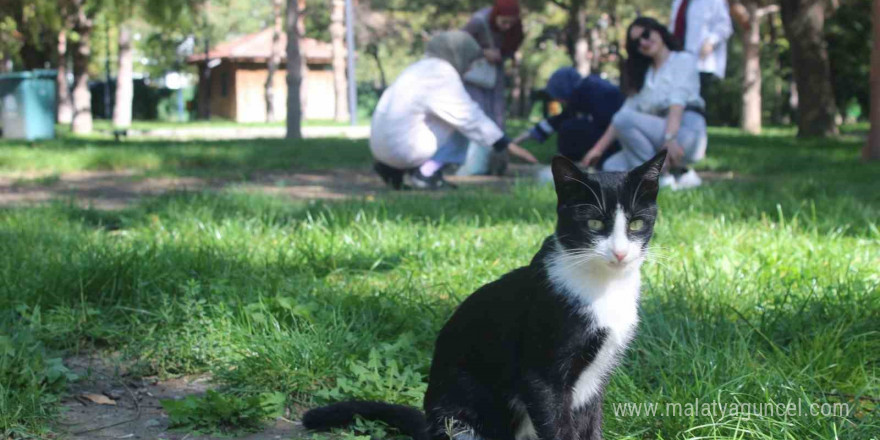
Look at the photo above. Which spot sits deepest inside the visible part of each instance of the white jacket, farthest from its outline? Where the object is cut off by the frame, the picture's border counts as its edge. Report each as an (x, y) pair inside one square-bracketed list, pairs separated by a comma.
[(424, 106), (706, 20)]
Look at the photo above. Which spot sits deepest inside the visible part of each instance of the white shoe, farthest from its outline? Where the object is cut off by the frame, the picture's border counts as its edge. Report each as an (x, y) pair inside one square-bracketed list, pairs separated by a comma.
[(668, 181), (689, 179)]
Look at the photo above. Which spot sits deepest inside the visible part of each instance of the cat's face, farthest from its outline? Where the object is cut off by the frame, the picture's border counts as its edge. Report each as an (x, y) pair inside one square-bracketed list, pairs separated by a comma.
[(606, 220)]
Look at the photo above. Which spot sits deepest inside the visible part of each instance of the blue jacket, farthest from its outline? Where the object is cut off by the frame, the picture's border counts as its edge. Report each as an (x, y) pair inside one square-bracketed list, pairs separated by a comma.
[(593, 98)]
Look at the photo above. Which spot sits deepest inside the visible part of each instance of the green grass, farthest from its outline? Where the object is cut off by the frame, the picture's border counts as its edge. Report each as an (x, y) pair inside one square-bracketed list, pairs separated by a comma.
[(214, 158), (764, 289), (107, 125)]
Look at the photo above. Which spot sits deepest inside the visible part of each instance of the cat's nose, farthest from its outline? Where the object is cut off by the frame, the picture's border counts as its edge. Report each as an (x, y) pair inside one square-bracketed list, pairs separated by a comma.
[(620, 255)]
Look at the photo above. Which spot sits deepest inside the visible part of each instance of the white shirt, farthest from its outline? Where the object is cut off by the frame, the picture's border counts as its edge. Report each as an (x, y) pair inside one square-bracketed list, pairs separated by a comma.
[(424, 106), (706, 20), (676, 82)]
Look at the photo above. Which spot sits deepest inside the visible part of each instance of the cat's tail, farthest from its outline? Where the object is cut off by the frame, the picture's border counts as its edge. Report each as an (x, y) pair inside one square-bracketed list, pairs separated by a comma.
[(408, 420)]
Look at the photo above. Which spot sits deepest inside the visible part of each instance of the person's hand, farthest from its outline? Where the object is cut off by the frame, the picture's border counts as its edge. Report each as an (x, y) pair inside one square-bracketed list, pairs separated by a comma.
[(521, 153), (674, 153), (492, 55), (592, 156), (706, 49), (521, 138)]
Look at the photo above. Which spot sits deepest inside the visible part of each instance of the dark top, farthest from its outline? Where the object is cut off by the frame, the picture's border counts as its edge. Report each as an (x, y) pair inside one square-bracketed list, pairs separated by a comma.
[(593, 98)]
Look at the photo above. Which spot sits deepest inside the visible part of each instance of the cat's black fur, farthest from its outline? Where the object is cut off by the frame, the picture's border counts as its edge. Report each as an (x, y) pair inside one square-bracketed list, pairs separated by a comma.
[(517, 346)]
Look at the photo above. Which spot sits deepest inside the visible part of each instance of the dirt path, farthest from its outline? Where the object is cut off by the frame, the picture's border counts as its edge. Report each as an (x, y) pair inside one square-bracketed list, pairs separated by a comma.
[(107, 403), (118, 189)]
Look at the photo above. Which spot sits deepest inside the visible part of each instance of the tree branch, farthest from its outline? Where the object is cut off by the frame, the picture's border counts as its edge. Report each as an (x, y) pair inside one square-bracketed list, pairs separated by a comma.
[(561, 5), (767, 10)]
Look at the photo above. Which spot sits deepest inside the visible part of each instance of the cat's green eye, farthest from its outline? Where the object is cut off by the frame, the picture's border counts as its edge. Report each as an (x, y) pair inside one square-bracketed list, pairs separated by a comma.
[(636, 225), (595, 225)]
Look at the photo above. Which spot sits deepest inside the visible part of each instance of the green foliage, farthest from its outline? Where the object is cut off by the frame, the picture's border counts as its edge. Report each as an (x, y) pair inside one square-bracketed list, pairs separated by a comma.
[(223, 413), (849, 46), (31, 378), (386, 376)]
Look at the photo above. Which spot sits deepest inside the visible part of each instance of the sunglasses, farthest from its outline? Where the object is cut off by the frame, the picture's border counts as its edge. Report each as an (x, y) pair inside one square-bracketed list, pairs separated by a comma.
[(645, 36)]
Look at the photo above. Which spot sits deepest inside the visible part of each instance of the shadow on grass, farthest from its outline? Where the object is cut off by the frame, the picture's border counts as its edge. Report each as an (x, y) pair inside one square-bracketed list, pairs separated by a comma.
[(185, 157), (843, 207)]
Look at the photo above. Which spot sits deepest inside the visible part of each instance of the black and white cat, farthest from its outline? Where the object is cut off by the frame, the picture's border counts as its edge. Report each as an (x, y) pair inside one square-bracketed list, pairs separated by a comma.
[(528, 356)]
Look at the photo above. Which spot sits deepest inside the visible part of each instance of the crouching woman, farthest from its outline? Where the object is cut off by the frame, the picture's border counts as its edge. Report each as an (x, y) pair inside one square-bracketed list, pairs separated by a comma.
[(664, 108), (425, 119)]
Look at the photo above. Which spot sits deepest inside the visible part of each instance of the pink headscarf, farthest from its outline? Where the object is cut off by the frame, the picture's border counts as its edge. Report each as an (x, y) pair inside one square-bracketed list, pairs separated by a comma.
[(513, 37)]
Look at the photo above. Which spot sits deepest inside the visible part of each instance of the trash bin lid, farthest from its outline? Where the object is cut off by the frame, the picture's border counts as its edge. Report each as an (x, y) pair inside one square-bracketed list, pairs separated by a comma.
[(30, 74)]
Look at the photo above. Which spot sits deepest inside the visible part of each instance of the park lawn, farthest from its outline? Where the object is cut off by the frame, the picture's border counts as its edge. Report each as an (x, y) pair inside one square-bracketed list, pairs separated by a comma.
[(106, 125), (762, 289)]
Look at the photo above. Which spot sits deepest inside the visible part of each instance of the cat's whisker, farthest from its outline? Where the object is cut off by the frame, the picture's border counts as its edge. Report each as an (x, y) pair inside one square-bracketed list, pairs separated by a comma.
[(600, 200), (659, 255)]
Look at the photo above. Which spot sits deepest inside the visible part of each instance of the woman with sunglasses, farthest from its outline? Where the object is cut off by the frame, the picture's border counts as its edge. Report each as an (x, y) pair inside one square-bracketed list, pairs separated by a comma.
[(663, 109)]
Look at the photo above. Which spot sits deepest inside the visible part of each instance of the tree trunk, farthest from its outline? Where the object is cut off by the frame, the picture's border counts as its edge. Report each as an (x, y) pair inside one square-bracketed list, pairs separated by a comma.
[(373, 50), (778, 111), (597, 43), (64, 105), (294, 72), (872, 148), (804, 22), (577, 41), (204, 95), (124, 80), (337, 41), (516, 97), (274, 61), (751, 99), (82, 51)]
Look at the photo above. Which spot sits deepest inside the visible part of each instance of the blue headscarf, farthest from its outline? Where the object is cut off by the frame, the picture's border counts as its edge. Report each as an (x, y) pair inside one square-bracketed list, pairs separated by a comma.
[(562, 83)]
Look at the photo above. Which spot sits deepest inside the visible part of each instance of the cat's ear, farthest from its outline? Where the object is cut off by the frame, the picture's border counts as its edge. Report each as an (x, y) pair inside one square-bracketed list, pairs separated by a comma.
[(646, 177), (568, 179)]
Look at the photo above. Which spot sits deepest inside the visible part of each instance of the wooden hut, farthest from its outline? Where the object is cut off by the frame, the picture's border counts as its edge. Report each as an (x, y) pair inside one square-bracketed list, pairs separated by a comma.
[(238, 72)]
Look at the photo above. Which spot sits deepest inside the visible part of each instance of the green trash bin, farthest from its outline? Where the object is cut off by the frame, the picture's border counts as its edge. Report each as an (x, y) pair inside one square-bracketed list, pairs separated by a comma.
[(27, 104)]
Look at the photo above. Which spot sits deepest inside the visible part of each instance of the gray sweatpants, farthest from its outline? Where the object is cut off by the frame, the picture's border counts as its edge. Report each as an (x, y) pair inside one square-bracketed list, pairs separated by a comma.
[(641, 137)]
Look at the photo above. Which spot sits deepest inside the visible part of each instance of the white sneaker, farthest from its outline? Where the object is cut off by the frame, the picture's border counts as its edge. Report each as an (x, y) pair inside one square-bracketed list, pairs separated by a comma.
[(689, 179), (668, 181)]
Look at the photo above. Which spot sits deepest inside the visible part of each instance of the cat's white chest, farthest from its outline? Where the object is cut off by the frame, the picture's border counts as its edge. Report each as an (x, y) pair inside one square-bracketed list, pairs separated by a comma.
[(611, 302), (612, 306), (617, 315)]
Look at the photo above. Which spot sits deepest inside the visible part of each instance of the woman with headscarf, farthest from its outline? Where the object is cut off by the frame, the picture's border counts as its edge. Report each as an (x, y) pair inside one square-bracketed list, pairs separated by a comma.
[(415, 127), (664, 108), (499, 32)]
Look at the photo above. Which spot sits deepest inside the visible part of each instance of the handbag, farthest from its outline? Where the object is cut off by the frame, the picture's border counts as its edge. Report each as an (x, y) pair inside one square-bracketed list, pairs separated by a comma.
[(483, 73)]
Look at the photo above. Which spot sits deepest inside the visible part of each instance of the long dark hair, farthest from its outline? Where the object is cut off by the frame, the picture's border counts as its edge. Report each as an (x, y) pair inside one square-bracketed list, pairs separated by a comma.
[(636, 63)]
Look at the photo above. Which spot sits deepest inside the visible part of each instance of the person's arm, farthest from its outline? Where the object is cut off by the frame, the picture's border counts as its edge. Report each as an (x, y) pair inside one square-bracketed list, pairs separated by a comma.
[(599, 147), (673, 122), (685, 80), (448, 100), (476, 26), (719, 26), (685, 87), (675, 152), (521, 153), (544, 129)]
